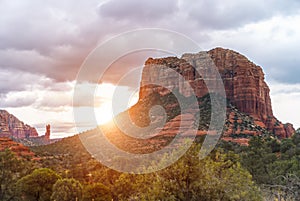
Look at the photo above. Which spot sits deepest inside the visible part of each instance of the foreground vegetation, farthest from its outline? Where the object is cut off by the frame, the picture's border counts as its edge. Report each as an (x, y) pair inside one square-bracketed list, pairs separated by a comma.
[(267, 169)]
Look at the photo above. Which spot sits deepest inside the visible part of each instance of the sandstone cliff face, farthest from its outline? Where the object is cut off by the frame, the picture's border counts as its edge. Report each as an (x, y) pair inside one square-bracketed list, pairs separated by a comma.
[(243, 81), (10, 126)]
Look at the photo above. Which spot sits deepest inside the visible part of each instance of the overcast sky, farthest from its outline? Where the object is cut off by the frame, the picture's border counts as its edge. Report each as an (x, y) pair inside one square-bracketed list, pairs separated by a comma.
[(43, 44)]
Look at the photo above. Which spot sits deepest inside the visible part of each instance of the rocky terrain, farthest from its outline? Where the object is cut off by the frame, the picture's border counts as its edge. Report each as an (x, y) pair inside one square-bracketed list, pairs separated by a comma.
[(249, 108), (10, 126), (244, 83), (17, 148)]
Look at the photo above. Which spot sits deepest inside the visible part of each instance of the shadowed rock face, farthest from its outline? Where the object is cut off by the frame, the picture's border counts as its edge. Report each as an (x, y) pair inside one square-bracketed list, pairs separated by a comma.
[(244, 83), (10, 126)]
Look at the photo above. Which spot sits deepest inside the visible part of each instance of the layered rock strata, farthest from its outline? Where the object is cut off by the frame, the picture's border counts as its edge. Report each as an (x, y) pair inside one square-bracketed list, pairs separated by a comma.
[(243, 81)]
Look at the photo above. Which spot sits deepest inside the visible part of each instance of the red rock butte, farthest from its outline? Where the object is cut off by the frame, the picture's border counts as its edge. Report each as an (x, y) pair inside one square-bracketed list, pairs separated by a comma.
[(244, 83), (10, 126)]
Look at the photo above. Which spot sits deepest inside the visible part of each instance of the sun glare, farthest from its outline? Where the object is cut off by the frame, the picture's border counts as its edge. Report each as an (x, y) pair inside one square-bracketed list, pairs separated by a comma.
[(103, 101), (103, 113)]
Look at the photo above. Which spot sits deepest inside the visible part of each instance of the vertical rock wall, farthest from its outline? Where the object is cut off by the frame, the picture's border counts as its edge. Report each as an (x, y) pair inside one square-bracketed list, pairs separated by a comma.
[(244, 83)]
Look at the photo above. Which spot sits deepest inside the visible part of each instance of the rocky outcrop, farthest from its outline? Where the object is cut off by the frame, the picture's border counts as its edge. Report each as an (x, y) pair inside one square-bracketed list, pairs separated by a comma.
[(10, 126), (289, 129), (17, 148), (48, 132), (243, 81), (247, 90)]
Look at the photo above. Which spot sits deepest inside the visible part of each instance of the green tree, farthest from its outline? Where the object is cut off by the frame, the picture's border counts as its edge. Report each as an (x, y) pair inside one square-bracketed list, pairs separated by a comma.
[(257, 158), (96, 192), (286, 145), (218, 177), (274, 165), (66, 190), (38, 185), (11, 169), (134, 187)]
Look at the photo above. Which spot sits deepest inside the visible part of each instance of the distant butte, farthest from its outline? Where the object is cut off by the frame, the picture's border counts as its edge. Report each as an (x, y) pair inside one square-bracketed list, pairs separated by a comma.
[(10, 126)]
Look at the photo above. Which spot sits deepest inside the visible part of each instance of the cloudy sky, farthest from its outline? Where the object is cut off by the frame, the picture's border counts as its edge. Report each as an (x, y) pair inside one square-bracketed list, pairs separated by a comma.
[(44, 43)]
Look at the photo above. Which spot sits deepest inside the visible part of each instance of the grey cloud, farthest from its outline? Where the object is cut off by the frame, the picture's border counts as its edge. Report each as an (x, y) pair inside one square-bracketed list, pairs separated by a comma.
[(136, 10), (288, 73), (217, 14), (279, 63), (16, 80), (21, 89), (59, 86), (34, 62), (42, 25), (276, 63), (287, 91), (51, 38), (16, 100), (272, 44), (26, 60), (8, 83), (43, 43), (52, 100), (58, 35)]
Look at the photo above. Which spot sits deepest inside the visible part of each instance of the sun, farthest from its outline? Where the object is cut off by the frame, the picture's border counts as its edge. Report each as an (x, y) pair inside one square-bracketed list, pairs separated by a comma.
[(103, 113), (104, 98)]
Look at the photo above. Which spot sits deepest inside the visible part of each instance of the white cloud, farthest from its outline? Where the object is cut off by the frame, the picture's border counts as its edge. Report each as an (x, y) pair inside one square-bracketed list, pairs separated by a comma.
[(285, 102), (17, 99), (271, 43)]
